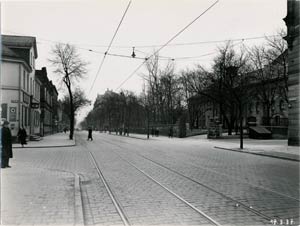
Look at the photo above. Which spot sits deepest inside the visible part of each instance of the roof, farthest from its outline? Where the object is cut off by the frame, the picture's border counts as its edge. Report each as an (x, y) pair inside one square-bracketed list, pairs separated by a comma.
[(42, 75), (9, 52), (20, 41)]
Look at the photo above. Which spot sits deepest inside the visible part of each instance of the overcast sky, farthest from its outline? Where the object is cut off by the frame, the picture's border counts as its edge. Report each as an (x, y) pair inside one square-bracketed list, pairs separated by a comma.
[(90, 24)]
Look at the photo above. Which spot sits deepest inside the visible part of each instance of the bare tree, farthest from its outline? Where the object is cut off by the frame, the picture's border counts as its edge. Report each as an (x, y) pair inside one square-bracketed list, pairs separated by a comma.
[(79, 101), (269, 63), (231, 69), (71, 68)]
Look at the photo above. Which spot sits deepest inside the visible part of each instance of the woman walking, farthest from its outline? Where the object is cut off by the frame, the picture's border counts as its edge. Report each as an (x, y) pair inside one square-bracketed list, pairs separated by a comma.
[(22, 136)]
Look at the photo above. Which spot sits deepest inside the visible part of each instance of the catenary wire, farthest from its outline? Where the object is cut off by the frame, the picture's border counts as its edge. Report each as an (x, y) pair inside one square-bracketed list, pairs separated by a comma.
[(161, 57), (105, 54), (176, 35), (184, 43)]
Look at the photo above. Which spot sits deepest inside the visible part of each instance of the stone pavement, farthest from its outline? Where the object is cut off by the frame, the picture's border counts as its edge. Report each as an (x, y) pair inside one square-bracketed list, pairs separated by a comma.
[(54, 140), (32, 195), (270, 148)]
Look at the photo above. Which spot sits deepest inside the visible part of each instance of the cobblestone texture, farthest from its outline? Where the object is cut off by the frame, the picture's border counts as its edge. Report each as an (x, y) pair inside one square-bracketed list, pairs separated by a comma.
[(144, 202), (249, 180), (264, 183), (44, 197)]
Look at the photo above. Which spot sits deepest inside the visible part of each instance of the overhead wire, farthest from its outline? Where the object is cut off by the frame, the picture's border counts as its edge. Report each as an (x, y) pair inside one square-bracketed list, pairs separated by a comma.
[(183, 44), (106, 52), (176, 35), (161, 57)]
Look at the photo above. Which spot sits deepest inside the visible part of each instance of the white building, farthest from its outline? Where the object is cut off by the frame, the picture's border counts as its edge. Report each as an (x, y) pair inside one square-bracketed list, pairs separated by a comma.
[(20, 91)]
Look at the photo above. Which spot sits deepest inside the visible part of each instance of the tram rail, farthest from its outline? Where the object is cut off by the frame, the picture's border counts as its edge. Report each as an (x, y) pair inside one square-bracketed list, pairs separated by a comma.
[(238, 203)]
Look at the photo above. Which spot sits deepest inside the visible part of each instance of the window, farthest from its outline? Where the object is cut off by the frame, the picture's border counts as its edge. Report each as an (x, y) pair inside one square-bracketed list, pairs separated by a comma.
[(281, 105), (36, 118), (250, 106), (4, 111), (33, 88), (27, 85), (257, 107), (26, 116), (30, 88), (31, 58), (24, 79)]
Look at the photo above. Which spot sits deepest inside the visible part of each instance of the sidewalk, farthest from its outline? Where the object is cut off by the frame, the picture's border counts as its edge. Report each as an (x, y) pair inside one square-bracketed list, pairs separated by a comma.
[(31, 195), (35, 196), (270, 148), (54, 140)]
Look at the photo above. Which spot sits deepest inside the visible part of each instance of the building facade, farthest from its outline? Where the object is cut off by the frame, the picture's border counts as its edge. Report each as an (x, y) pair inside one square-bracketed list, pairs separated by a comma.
[(19, 89), (292, 21), (48, 104), (271, 112)]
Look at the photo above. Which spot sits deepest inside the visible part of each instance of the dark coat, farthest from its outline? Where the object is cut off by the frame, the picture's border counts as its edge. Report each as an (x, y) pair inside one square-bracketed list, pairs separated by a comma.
[(22, 136), (90, 133), (6, 143)]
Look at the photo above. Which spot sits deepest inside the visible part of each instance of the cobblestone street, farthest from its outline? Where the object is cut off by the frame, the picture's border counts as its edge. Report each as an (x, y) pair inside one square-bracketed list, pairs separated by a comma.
[(117, 180)]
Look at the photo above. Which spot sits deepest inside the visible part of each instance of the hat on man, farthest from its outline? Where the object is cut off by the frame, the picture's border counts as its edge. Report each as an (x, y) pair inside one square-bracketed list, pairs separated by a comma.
[(4, 122)]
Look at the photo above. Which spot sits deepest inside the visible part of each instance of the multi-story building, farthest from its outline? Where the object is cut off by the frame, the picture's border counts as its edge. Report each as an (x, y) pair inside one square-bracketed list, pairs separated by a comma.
[(49, 104), (20, 92), (292, 21)]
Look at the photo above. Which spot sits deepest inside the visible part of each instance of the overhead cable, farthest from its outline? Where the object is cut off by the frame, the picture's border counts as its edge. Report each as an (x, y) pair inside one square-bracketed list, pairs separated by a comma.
[(176, 35), (101, 64)]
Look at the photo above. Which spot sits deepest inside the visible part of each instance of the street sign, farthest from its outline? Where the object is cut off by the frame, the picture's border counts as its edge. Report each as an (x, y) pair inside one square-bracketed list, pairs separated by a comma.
[(12, 114)]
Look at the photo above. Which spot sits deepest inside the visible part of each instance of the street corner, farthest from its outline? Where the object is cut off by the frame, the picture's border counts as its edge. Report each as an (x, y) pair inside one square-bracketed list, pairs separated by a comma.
[(35, 196), (49, 141)]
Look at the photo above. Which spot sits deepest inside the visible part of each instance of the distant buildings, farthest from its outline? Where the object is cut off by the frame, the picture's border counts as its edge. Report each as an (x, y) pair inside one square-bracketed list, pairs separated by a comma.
[(292, 21), (22, 91), (273, 114)]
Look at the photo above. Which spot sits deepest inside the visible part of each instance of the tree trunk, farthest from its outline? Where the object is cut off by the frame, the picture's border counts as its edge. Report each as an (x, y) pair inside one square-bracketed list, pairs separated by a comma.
[(71, 114), (241, 127)]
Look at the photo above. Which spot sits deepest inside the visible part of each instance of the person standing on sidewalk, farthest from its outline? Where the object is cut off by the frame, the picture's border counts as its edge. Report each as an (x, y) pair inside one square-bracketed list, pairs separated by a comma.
[(22, 136), (6, 140), (90, 136)]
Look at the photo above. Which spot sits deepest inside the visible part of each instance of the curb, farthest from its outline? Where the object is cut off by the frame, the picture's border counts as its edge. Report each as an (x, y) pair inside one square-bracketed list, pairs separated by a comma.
[(52, 146), (78, 211), (130, 137), (261, 154)]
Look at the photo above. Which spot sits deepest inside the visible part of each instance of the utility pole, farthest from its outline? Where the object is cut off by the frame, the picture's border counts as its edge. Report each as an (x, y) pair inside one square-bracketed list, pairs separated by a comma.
[(147, 109)]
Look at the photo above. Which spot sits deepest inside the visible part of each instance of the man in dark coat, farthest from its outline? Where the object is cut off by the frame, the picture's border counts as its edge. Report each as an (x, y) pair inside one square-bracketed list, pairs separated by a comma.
[(22, 136), (6, 153), (90, 136)]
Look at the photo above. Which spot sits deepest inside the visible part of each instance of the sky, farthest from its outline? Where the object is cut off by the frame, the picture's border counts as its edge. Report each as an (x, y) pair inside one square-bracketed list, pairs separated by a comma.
[(147, 25)]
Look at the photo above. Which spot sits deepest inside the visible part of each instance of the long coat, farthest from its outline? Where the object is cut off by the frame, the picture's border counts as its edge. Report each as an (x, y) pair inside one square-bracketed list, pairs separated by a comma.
[(6, 143), (22, 136), (90, 133)]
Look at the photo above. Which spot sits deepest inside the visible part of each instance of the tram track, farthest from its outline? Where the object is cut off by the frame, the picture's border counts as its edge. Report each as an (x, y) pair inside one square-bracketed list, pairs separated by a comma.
[(238, 203), (234, 178), (109, 191), (121, 212)]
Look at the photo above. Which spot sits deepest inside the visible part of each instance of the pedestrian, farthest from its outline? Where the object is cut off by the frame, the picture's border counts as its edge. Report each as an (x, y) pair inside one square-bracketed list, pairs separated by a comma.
[(22, 136), (6, 139), (171, 132), (90, 136)]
